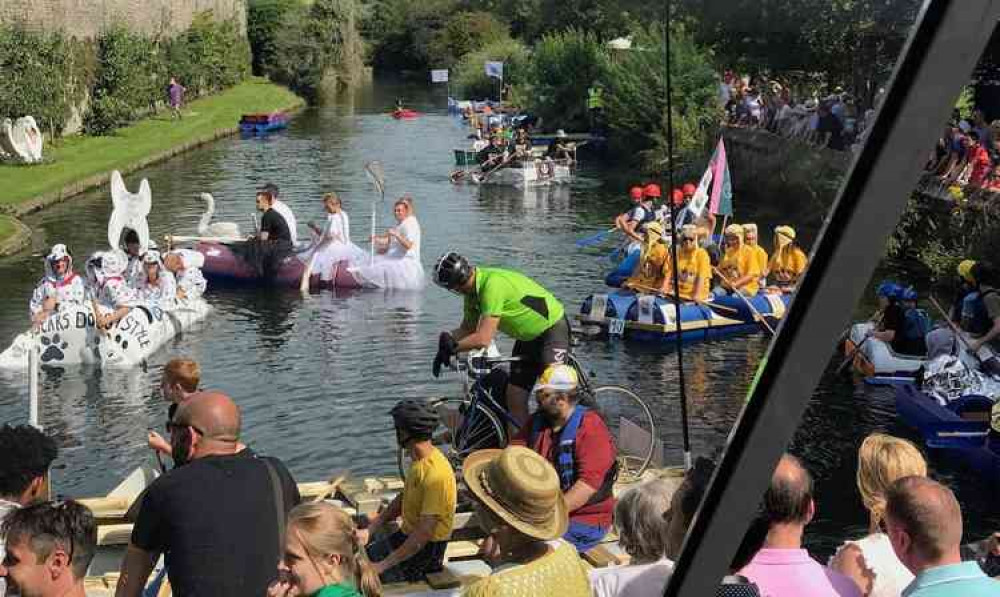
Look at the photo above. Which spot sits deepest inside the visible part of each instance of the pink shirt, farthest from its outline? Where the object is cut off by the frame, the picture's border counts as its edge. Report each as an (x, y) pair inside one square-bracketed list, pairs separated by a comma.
[(793, 573)]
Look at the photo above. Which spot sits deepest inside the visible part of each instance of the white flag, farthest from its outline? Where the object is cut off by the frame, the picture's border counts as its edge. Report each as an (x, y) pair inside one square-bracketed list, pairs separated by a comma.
[(439, 75), (494, 69), (700, 198)]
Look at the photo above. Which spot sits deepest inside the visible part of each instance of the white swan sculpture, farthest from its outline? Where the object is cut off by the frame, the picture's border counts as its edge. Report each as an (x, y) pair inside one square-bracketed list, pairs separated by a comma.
[(129, 211), (218, 229), (21, 139)]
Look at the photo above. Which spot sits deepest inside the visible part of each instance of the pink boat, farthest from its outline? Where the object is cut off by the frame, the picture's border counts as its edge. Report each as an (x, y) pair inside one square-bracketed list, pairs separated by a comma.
[(225, 266)]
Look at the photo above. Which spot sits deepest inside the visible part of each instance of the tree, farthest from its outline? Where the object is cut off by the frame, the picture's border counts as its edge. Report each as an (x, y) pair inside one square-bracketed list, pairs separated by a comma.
[(470, 72), (264, 21), (563, 66), (463, 33)]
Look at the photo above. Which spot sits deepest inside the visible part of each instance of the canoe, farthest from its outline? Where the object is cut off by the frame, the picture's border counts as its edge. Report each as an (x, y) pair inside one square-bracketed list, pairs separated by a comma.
[(405, 114), (225, 266), (876, 360), (652, 319), (70, 336), (462, 567)]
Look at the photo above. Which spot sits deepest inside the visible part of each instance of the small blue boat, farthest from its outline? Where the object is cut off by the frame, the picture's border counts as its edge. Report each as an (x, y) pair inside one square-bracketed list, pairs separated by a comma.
[(652, 319), (960, 429), (263, 123)]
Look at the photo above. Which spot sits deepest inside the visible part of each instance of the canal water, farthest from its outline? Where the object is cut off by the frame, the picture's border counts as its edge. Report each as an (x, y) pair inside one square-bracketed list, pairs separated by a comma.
[(316, 375)]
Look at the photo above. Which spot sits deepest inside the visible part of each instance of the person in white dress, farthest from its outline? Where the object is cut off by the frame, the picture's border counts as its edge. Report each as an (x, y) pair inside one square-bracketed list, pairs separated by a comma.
[(871, 561), (334, 239), (157, 285), (59, 286), (185, 265), (397, 264)]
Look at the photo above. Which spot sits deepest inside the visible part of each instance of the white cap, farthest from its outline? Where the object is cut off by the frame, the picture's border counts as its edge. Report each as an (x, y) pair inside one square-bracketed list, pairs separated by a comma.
[(58, 251)]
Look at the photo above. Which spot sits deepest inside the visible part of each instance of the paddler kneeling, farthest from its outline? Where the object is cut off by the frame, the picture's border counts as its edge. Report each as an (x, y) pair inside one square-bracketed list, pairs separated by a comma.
[(788, 262), (738, 267), (647, 276), (694, 272)]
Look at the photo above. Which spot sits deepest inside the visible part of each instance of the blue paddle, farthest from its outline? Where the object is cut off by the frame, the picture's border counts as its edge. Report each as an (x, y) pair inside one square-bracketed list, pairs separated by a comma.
[(595, 239)]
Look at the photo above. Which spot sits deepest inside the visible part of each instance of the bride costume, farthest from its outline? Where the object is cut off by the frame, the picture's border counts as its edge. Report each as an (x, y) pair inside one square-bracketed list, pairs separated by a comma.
[(397, 268), (338, 246)]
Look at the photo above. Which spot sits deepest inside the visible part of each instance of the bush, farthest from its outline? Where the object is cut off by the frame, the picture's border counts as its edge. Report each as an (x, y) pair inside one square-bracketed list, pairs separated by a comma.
[(315, 43), (463, 33), (635, 102), (563, 66), (44, 75), (402, 31), (470, 73)]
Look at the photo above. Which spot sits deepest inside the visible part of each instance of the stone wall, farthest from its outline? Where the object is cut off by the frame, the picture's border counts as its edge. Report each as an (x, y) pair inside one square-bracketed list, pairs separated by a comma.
[(85, 19)]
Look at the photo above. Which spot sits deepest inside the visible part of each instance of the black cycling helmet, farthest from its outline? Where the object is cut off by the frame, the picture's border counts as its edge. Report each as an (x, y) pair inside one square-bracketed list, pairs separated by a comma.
[(452, 271), (416, 417)]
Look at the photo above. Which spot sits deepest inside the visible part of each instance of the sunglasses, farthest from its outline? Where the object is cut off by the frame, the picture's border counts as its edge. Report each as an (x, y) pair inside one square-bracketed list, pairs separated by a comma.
[(175, 425)]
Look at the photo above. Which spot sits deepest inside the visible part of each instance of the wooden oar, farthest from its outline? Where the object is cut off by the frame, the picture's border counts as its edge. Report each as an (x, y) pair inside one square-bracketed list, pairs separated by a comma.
[(961, 334), (745, 300), (843, 337), (676, 298)]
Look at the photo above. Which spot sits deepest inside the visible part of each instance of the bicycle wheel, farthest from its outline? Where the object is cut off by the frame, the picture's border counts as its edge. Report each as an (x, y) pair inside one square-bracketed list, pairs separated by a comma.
[(631, 424), (460, 432)]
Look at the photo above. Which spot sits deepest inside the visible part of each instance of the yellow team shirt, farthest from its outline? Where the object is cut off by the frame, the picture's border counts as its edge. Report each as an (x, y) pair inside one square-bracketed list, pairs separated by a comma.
[(761, 256), (430, 490), (693, 264), (647, 273), (560, 572), (736, 264), (788, 265)]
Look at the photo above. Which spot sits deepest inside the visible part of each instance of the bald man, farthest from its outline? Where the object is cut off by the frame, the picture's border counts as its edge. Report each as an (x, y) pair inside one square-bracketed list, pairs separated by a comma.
[(924, 524), (781, 568), (215, 516)]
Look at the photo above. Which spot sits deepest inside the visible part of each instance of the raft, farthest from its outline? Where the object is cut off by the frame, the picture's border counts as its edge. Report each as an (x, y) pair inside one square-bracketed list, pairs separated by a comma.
[(527, 174), (652, 319), (876, 360), (463, 564), (263, 123), (225, 266), (70, 336)]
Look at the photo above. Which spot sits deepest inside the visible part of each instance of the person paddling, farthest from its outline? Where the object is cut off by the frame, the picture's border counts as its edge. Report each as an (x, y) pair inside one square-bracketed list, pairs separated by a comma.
[(694, 272)]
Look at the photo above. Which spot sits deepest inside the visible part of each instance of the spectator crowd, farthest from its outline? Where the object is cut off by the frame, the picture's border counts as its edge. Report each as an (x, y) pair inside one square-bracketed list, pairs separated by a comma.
[(229, 521)]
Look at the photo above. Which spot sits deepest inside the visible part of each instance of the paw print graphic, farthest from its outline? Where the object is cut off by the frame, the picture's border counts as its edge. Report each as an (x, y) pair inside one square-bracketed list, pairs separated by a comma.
[(53, 349)]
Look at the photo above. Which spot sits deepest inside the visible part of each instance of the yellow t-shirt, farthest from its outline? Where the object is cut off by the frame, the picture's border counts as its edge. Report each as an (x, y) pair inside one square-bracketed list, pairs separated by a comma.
[(788, 265), (736, 264), (430, 490), (647, 273), (560, 572), (761, 256), (694, 264)]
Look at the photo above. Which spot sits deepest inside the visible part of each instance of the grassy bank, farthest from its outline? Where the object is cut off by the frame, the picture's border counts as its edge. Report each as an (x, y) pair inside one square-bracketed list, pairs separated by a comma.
[(7, 226), (74, 164)]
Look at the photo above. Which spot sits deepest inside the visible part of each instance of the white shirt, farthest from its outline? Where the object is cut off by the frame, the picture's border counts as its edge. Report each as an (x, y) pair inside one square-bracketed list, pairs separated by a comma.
[(631, 581), (163, 292), (69, 290), (409, 229)]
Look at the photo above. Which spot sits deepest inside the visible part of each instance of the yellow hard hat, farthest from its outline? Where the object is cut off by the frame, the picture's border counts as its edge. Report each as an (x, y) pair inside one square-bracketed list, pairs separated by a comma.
[(965, 270)]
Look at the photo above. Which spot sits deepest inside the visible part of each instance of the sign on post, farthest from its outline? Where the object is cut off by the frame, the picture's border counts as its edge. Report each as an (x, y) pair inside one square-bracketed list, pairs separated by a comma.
[(439, 75)]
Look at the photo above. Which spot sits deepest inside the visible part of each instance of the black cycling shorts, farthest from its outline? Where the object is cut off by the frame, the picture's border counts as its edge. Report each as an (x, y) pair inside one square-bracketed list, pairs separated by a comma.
[(549, 347)]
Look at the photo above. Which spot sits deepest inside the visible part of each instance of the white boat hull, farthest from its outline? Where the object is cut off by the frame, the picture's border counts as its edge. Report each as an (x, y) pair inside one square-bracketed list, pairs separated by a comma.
[(70, 337), (530, 174)]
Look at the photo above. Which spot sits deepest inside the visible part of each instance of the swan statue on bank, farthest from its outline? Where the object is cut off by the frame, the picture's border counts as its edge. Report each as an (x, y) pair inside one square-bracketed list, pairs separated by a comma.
[(219, 229), (21, 139)]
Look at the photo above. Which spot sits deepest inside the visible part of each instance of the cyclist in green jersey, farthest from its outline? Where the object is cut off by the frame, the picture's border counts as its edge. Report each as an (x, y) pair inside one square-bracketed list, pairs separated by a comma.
[(505, 300)]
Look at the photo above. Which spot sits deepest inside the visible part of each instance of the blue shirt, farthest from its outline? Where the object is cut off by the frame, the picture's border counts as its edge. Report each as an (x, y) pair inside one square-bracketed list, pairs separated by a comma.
[(965, 580)]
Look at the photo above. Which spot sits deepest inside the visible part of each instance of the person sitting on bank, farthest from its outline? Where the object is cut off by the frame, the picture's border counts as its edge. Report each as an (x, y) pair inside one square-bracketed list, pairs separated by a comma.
[(185, 265), (788, 262), (60, 286), (782, 568), (426, 504), (157, 285), (738, 266), (49, 548), (323, 557), (25, 457), (924, 523), (578, 443), (695, 272), (519, 504), (216, 514), (648, 275)]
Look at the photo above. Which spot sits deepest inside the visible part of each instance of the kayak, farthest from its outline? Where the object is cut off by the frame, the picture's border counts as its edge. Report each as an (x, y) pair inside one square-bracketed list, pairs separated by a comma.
[(652, 319), (405, 113)]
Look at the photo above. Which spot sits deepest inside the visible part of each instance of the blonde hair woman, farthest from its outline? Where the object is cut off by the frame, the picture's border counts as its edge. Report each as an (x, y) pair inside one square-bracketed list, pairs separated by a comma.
[(870, 561), (397, 265), (323, 557)]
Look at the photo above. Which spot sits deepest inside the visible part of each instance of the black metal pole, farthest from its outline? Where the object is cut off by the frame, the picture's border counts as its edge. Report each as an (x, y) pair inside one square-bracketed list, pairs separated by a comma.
[(678, 329)]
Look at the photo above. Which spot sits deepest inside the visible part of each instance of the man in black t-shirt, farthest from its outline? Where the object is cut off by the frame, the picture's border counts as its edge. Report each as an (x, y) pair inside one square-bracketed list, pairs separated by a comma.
[(273, 242), (273, 227), (215, 516)]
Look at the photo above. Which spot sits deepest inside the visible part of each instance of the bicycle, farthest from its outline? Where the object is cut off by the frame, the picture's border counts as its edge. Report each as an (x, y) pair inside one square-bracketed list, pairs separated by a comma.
[(479, 419)]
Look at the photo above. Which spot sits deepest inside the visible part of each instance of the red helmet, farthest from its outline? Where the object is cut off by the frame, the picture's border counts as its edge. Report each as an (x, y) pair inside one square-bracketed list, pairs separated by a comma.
[(652, 190), (678, 197), (635, 192), (689, 189)]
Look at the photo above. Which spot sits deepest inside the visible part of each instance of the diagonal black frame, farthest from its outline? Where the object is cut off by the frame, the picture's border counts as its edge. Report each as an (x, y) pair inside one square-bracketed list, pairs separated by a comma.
[(943, 48)]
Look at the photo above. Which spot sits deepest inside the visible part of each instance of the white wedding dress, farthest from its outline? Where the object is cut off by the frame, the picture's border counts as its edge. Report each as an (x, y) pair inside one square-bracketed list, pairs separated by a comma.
[(398, 268), (339, 247)]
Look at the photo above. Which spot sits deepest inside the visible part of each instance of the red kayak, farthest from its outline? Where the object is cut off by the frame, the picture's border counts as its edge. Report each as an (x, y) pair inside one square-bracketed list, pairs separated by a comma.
[(405, 113), (225, 266)]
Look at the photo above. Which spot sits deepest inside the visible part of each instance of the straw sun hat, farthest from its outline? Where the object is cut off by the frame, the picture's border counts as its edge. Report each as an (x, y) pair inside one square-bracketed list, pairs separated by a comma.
[(521, 488)]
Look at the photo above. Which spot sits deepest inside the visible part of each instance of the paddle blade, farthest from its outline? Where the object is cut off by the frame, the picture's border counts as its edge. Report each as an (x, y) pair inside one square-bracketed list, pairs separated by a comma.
[(376, 174)]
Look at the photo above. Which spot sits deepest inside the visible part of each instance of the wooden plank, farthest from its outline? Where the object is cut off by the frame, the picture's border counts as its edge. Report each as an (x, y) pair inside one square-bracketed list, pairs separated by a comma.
[(443, 580), (601, 557), (461, 549), (114, 534)]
